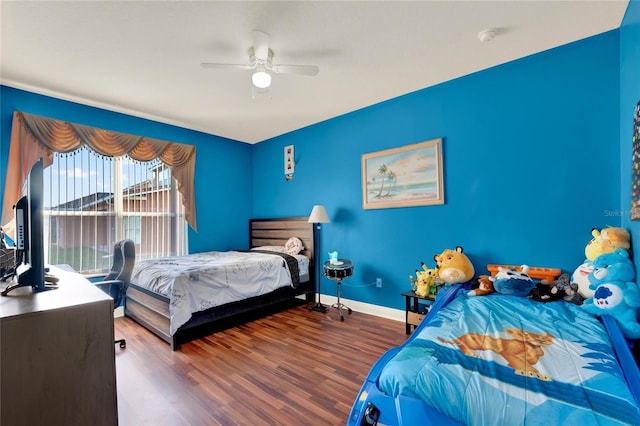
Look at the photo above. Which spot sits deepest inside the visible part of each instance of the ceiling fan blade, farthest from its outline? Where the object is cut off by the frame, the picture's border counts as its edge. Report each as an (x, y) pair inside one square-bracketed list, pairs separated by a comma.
[(226, 66), (261, 45), (296, 69)]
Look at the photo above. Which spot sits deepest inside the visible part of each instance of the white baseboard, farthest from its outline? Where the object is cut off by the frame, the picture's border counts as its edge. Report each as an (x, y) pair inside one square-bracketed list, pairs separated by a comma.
[(365, 308)]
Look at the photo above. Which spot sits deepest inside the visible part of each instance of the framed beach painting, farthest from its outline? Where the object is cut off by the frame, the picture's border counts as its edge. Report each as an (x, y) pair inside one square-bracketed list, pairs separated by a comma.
[(407, 176)]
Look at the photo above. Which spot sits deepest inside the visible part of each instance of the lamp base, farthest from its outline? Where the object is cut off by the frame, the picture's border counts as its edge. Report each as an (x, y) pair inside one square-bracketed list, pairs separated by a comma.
[(319, 307)]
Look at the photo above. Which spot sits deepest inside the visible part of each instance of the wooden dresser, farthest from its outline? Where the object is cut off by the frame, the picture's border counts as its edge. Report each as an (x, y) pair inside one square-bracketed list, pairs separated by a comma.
[(57, 356)]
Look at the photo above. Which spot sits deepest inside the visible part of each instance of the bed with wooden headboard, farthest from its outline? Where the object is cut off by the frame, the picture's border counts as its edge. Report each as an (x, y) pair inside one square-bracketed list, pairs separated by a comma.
[(155, 308)]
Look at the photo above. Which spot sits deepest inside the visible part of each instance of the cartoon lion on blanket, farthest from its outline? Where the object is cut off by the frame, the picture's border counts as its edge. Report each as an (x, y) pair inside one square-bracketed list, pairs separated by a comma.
[(521, 353)]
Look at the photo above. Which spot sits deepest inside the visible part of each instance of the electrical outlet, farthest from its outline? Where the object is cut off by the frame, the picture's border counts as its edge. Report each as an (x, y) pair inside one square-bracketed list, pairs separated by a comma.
[(379, 282)]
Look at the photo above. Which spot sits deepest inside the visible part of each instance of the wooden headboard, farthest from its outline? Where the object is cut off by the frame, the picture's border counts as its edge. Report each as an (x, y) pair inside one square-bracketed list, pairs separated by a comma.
[(276, 232)]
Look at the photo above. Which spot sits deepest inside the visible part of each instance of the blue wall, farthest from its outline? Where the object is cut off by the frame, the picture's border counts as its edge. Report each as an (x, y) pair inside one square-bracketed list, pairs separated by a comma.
[(223, 180), (531, 164), (629, 97)]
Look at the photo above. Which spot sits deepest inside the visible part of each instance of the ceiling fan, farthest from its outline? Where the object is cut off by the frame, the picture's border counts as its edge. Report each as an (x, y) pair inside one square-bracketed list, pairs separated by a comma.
[(261, 60)]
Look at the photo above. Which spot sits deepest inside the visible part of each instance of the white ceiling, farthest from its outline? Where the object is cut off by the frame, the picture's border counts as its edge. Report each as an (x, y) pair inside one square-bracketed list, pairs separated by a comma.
[(143, 58)]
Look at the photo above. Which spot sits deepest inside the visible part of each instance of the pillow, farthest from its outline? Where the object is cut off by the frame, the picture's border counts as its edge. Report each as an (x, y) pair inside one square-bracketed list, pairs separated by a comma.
[(277, 249), (293, 246)]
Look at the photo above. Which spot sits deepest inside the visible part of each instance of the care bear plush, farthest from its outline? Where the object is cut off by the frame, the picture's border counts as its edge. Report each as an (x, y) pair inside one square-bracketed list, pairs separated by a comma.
[(454, 267), (605, 241), (615, 293)]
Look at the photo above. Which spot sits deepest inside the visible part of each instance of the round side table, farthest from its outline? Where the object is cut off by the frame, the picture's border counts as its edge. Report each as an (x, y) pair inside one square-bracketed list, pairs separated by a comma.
[(338, 271)]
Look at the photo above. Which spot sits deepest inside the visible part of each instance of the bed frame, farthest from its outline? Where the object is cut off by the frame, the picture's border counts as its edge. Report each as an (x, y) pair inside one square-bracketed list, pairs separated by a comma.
[(152, 310), (402, 410)]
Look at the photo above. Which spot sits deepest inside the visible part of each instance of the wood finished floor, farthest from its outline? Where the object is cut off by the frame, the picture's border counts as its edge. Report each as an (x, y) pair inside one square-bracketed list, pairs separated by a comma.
[(295, 367)]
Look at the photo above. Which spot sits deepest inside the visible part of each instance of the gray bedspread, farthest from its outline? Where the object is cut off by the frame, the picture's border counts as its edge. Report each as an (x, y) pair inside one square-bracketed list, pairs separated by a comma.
[(201, 281)]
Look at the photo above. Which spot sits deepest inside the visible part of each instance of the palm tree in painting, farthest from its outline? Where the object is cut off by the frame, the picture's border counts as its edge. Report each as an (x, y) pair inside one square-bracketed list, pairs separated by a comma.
[(382, 170), (392, 177)]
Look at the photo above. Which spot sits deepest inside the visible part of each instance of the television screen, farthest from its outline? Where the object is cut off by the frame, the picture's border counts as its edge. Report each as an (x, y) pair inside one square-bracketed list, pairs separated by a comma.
[(29, 217)]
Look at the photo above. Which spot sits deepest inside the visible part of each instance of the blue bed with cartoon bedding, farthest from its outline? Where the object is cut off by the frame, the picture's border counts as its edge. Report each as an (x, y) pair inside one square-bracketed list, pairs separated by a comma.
[(504, 360)]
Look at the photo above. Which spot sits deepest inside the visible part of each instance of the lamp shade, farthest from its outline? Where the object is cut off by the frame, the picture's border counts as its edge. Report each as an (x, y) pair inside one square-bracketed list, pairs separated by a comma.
[(319, 215)]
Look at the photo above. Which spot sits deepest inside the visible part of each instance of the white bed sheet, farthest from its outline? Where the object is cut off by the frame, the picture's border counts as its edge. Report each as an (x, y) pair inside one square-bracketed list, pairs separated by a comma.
[(204, 280)]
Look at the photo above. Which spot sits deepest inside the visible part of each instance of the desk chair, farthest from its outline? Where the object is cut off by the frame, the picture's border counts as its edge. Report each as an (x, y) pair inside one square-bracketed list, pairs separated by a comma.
[(116, 282)]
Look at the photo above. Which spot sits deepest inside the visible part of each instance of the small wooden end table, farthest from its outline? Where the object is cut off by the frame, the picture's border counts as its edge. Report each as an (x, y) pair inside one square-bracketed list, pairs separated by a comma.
[(413, 316)]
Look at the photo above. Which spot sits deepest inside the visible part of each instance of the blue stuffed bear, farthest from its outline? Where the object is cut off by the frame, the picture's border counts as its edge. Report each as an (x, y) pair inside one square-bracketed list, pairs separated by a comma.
[(615, 292)]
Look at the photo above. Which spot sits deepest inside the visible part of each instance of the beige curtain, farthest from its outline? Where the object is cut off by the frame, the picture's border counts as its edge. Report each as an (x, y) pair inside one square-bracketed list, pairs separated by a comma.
[(33, 137)]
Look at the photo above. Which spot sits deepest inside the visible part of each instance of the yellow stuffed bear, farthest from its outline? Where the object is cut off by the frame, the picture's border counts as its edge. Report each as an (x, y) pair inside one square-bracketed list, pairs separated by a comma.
[(607, 241), (454, 267)]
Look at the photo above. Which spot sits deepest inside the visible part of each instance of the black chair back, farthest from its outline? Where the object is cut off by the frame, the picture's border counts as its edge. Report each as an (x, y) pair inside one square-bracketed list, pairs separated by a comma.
[(117, 280), (118, 262), (124, 258), (129, 255)]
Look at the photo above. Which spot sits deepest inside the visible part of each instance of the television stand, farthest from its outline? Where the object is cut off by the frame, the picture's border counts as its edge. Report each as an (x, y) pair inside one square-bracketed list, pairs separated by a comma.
[(9, 273), (25, 278), (35, 289)]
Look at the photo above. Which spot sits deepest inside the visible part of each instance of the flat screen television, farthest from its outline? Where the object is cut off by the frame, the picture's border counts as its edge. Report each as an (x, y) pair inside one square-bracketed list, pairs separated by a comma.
[(29, 238)]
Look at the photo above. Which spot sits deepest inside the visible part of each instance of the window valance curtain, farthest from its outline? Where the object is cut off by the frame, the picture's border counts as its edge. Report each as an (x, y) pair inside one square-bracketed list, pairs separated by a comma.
[(34, 136)]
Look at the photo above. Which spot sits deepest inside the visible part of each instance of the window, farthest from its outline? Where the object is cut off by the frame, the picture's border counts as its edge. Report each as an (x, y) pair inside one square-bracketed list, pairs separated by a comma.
[(131, 227), (93, 201)]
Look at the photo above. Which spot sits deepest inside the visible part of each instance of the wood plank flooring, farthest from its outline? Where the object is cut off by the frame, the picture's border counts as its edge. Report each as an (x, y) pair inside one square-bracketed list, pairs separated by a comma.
[(295, 367)]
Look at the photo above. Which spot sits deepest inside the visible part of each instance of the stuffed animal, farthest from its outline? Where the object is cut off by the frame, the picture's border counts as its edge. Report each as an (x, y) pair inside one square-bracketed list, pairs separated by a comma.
[(512, 282), (616, 266), (561, 288), (545, 292), (581, 278), (593, 248), (422, 287), (564, 286), (615, 293), (425, 282), (454, 267), (606, 241), (484, 286)]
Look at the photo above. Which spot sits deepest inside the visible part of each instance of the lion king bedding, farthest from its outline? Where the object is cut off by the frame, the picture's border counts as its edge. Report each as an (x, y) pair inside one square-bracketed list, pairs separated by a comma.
[(501, 359), (204, 280)]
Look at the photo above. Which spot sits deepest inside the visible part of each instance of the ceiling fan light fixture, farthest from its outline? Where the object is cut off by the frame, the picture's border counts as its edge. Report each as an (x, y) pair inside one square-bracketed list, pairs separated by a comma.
[(262, 66), (261, 79)]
